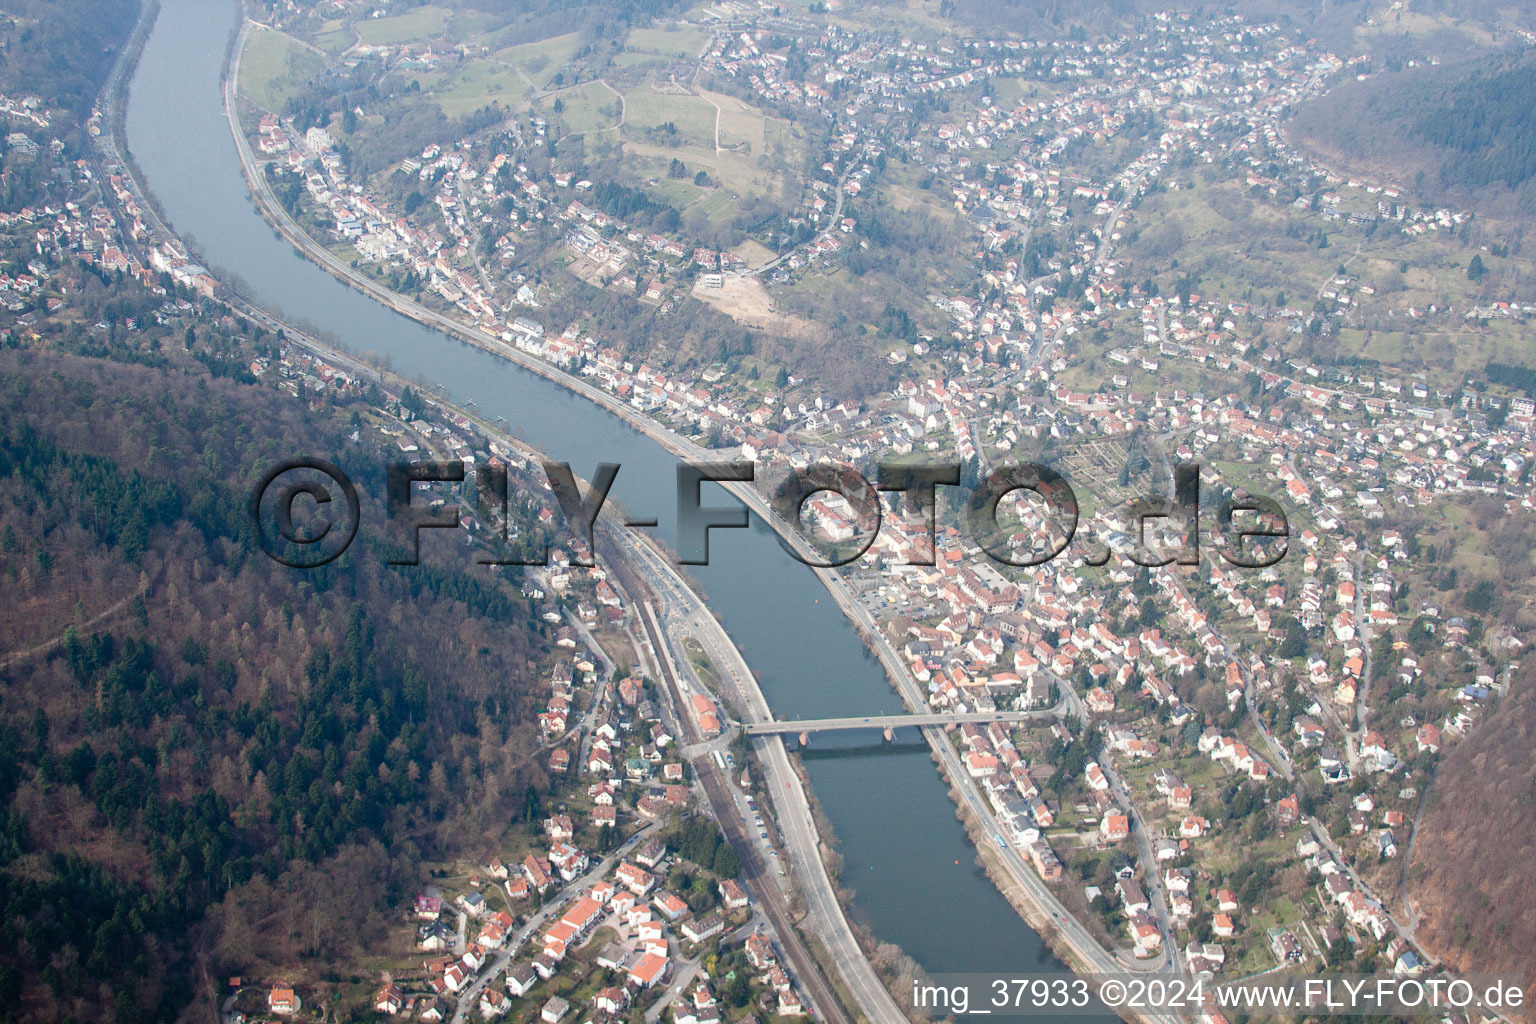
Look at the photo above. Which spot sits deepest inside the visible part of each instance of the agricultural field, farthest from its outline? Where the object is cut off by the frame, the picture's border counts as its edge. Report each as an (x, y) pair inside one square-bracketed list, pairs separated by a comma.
[(510, 76), (1233, 242), (755, 253), (1010, 92), (1446, 357), (900, 186), (746, 131), (917, 18), (679, 192), (672, 41), (1252, 248), (274, 67)]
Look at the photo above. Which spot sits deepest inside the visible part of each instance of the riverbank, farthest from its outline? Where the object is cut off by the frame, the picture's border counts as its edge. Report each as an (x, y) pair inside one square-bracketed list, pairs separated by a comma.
[(1036, 917), (667, 440), (805, 964), (895, 969), (274, 213)]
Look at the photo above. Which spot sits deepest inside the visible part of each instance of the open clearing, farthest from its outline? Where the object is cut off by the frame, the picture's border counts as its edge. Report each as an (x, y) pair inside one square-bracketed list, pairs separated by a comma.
[(274, 66), (661, 46), (476, 85), (334, 35), (756, 151), (589, 107), (543, 60), (673, 41), (745, 300), (740, 124), (646, 110), (755, 253), (754, 157), (420, 24), (653, 161)]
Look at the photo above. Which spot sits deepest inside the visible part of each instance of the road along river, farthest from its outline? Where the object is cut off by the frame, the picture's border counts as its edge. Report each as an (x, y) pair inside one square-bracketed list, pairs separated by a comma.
[(904, 854)]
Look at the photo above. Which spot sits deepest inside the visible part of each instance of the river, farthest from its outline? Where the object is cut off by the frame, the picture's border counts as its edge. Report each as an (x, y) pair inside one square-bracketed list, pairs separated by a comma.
[(904, 853)]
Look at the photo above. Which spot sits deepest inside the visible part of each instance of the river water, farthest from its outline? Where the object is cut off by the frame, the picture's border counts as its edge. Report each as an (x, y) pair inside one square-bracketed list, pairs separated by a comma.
[(904, 853)]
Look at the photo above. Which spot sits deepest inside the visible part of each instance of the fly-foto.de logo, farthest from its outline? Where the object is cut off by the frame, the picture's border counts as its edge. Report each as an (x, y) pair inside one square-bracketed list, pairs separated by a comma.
[(305, 513)]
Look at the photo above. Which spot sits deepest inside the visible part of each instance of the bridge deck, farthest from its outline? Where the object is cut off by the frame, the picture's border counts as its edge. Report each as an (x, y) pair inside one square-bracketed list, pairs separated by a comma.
[(889, 721)]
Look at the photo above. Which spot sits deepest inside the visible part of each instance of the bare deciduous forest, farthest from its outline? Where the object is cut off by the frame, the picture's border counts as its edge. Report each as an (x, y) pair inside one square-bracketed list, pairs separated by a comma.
[(1477, 840), (201, 749)]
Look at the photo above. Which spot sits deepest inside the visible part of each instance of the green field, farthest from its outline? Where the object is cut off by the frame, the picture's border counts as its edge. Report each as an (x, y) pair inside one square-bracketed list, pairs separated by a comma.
[(542, 60), (475, 85), (1010, 92), (679, 192), (274, 66), (671, 43), (588, 107), (740, 124), (333, 36), (421, 24), (718, 204), (646, 110), (754, 157), (631, 59), (508, 76)]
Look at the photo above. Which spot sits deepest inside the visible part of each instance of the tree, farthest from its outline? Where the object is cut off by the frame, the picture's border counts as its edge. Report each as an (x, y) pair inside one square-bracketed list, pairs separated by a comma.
[(1295, 643), (727, 863), (1480, 597), (1475, 269)]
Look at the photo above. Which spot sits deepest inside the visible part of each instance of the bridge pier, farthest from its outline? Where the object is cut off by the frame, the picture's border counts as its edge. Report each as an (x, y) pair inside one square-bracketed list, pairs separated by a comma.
[(890, 733), (805, 739)]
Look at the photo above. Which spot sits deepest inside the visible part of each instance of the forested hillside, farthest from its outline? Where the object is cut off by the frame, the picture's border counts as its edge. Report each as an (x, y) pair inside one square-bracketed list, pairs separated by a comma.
[(1477, 840), (210, 762), (60, 50), (1454, 130), (1485, 119)]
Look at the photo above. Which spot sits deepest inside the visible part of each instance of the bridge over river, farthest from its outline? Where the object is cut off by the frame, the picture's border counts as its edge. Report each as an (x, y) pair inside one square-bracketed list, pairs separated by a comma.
[(806, 726)]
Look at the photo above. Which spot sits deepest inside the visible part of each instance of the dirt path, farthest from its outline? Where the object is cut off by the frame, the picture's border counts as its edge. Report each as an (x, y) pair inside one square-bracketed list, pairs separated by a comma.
[(48, 645), (693, 88)]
